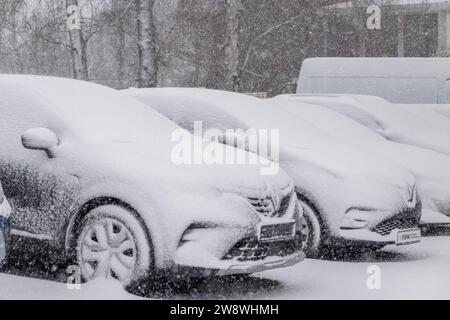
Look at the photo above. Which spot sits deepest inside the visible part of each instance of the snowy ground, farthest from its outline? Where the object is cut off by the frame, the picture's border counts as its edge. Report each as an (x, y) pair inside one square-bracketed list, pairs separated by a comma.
[(414, 272)]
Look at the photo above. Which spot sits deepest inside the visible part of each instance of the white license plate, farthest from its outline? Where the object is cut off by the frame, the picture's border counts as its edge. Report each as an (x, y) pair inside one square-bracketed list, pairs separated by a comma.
[(268, 232), (411, 236)]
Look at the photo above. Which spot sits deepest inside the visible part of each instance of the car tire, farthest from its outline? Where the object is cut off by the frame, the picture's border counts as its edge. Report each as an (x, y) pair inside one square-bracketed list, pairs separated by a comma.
[(113, 244), (313, 234)]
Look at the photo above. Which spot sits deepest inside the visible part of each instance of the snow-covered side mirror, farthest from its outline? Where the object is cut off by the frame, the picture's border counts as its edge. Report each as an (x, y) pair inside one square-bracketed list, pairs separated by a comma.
[(40, 139)]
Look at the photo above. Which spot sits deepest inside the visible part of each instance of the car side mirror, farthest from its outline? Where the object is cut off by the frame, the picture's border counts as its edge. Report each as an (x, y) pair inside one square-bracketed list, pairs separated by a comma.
[(40, 139)]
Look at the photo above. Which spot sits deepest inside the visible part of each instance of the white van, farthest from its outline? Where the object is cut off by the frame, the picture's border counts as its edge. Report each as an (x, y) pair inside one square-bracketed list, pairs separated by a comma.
[(399, 80)]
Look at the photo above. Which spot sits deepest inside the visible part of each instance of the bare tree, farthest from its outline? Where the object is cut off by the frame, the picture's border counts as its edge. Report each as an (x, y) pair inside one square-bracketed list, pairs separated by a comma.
[(233, 9), (147, 50), (78, 44), (251, 45)]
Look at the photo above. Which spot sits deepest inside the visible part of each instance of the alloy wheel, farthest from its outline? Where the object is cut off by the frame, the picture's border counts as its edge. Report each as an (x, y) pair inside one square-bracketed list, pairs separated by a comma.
[(107, 250)]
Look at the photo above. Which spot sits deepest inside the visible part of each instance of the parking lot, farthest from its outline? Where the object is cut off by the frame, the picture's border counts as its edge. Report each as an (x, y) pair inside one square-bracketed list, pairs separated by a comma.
[(413, 272)]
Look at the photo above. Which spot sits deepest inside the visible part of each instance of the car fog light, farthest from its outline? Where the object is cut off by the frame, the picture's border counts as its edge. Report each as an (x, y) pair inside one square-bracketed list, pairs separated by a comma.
[(352, 223)]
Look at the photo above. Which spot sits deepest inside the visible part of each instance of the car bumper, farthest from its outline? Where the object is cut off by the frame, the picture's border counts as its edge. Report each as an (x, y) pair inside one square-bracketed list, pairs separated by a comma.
[(267, 264), (5, 228), (431, 217), (194, 259), (366, 236), (238, 268)]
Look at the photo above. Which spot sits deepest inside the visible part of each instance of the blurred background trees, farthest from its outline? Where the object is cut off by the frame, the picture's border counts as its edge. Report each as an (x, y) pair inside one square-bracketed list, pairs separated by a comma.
[(237, 45)]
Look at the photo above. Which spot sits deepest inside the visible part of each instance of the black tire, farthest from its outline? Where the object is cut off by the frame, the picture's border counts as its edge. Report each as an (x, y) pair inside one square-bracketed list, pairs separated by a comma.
[(112, 243), (314, 232)]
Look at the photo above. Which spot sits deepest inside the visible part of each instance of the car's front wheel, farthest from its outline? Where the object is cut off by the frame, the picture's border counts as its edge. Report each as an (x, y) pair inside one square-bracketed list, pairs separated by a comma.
[(313, 236), (113, 244)]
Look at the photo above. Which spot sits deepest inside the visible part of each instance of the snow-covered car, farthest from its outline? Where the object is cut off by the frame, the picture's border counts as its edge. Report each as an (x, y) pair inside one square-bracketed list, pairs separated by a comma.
[(5, 212), (350, 200), (389, 120), (441, 109), (437, 113), (431, 169), (90, 171)]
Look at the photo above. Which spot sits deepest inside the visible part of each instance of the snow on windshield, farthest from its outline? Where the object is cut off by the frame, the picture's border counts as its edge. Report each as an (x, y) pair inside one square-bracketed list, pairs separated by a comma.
[(186, 111)]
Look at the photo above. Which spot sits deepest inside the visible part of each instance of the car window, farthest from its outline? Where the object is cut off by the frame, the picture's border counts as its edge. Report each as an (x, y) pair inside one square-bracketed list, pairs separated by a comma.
[(21, 110), (98, 113), (185, 111), (357, 115)]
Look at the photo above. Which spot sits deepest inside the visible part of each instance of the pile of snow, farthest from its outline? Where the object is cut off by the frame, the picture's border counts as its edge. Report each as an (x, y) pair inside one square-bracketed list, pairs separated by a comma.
[(413, 272), (15, 287)]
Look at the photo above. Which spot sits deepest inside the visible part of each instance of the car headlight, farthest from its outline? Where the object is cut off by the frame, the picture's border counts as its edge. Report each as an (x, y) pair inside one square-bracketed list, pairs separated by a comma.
[(351, 223), (5, 209)]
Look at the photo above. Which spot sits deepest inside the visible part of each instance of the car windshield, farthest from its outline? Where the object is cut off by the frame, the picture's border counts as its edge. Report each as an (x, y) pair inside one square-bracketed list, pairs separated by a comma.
[(185, 107)]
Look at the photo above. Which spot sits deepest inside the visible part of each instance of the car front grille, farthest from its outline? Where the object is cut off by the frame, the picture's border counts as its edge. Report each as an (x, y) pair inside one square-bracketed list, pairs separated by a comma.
[(265, 206), (253, 250), (386, 227)]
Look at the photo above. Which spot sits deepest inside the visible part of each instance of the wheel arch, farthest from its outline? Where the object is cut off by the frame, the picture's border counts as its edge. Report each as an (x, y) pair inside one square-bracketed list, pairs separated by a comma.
[(301, 196), (72, 229)]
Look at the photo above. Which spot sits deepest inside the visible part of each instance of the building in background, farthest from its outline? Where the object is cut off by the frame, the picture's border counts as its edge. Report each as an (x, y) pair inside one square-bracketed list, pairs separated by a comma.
[(409, 28)]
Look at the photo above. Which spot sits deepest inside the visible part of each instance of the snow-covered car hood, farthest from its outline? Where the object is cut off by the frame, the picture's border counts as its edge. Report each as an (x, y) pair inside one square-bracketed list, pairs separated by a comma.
[(147, 163)]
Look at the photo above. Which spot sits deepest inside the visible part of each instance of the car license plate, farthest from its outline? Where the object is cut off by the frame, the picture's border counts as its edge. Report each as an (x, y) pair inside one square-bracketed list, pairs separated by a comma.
[(411, 236), (268, 232)]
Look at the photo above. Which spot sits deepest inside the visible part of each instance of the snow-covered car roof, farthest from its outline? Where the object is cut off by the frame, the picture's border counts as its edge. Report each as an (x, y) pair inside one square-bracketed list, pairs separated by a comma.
[(387, 119), (436, 113), (91, 110)]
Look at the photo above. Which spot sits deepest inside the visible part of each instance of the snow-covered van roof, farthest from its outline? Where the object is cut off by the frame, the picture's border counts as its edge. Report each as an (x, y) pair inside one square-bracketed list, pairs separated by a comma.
[(402, 80)]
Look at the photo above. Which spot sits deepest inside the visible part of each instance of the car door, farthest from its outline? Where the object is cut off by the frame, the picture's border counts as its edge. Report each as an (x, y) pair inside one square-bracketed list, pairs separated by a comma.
[(42, 194)]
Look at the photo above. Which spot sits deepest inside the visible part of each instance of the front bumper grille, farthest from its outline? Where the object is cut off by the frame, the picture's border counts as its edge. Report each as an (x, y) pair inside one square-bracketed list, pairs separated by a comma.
[(406, 219), (386, 227), (253, 250)]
